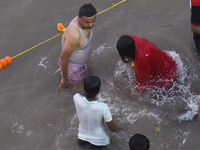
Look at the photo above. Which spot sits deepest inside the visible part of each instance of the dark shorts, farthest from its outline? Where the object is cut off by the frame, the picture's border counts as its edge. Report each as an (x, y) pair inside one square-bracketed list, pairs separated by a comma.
[(196, 38), (88, 145)]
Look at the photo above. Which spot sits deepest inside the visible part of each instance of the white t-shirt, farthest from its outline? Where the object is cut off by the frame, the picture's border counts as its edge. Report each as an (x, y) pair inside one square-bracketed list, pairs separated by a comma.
[(91, 117)]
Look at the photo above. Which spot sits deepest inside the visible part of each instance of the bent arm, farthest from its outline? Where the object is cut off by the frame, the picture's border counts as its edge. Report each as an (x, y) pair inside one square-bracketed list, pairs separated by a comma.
[(71, 41), (195, 28), (113, 127), (64, 64)]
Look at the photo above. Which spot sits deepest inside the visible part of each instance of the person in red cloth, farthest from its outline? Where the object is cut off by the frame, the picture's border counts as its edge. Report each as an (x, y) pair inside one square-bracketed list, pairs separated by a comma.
[(153, 67)]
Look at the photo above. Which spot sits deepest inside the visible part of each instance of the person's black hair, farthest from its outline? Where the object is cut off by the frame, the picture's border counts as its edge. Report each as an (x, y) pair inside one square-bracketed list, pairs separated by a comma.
[(92, 86), (139, 142), (87, 10), (126, 48)]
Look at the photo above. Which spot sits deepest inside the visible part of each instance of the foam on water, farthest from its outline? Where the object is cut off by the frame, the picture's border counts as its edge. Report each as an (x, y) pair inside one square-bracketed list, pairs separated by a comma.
[(100, 49), (192, 106), (44, 63)]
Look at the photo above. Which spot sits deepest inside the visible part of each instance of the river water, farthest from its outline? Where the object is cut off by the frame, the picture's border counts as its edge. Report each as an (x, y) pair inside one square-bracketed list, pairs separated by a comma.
[(36, 115)]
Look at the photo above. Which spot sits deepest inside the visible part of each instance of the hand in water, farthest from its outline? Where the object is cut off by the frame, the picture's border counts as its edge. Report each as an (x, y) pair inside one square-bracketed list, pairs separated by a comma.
[(64, 86), (64, 83)]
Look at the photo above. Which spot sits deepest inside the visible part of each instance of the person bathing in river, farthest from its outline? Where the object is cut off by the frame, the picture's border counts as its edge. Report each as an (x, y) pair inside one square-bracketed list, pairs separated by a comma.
[(92, 114), (153, 67), (76, 46)]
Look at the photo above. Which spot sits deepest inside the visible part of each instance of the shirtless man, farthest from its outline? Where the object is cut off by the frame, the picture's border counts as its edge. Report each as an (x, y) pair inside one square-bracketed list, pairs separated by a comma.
[(76, 46)]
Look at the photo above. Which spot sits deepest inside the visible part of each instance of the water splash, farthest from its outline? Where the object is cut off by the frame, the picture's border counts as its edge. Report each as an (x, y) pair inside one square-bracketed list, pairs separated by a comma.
[(48, 66), (43, 63), (180, 92)]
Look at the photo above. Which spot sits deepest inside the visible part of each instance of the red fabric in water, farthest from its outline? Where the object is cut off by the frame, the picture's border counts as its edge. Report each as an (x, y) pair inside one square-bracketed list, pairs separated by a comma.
[(153, 67)]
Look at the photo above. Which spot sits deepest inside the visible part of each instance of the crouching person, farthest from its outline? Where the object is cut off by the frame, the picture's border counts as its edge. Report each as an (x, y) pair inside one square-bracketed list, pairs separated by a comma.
[(92, 114)]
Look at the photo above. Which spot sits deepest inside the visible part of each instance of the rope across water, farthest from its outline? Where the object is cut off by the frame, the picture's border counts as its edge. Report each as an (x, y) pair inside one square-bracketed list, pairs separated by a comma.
[(8, 59)]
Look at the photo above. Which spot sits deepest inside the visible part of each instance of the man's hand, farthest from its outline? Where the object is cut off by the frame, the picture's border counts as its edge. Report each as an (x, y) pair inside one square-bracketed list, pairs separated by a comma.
[(64, 83), (195, 29), (113, 127)]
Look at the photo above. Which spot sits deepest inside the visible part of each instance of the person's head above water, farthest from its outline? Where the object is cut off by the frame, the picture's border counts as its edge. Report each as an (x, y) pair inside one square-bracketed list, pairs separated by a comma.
[(92, 86), (139, 142), (126, 48), (87, 10), (87, 16)]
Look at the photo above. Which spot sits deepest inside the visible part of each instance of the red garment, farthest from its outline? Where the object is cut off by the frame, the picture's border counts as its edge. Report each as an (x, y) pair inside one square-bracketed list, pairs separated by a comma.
[(153, 67)]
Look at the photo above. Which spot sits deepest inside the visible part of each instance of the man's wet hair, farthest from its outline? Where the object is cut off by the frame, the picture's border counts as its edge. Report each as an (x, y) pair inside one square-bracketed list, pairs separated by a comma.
[(92, 86), (139, 142), (87, 10), (126, 48)]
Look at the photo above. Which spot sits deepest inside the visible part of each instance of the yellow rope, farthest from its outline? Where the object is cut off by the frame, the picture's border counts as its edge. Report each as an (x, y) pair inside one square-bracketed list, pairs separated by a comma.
[(36, 45), (111, 7), (62, 32)]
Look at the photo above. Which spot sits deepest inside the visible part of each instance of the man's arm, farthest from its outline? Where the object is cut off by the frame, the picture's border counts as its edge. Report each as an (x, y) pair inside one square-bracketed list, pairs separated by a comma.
[(113, 127), (195, 29), (71, 39)]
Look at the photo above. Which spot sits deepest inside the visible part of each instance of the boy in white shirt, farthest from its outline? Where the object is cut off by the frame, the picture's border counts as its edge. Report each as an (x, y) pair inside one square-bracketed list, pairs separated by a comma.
[(92, 114)]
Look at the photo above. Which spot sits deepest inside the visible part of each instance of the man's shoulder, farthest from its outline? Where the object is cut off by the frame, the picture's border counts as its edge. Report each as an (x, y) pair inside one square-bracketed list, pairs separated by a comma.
[(71, 31), (71, 35), (102, 105), (78, 96)]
